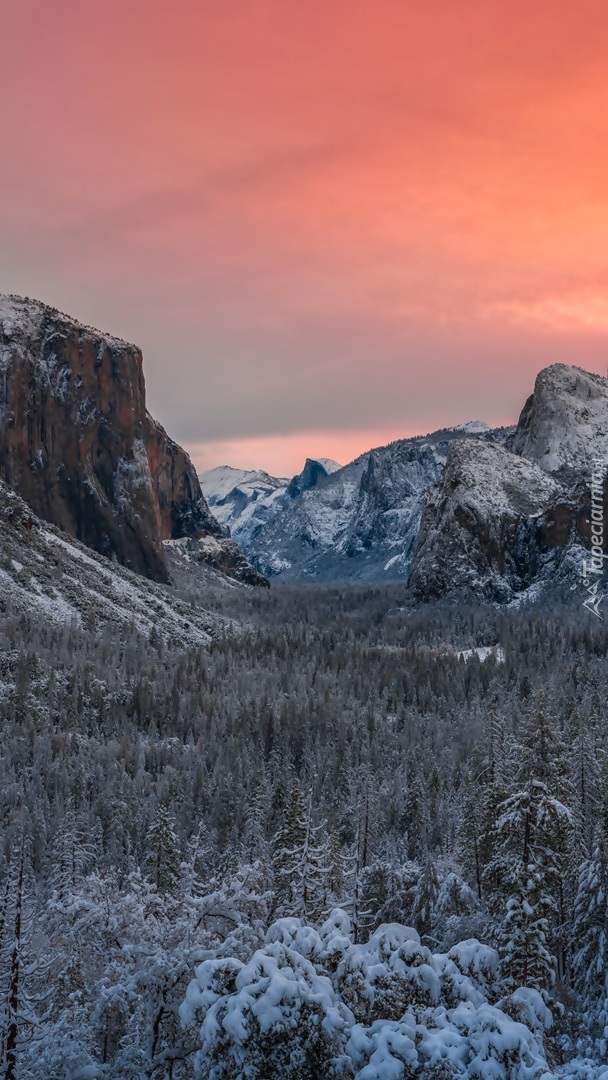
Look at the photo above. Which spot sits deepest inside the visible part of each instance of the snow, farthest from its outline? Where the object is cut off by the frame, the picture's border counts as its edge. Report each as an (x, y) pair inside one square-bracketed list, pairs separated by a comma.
[(21, 320), (471, 519), (131, 474), (220, 482), (328, 464), (44, 570), (484, 652), (473, 427), (320, 987)]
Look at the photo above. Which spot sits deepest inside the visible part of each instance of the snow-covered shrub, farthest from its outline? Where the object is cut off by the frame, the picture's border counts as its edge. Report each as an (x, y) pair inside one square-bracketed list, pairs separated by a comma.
[(277, 1015), (310, 1003), (480, 963)]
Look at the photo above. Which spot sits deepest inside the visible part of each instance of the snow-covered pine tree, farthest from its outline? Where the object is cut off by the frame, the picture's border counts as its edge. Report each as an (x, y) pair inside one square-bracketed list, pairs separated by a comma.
[(425, 898), (196, 869), (73, 855), (524, 875), (23, 1000), (360, 915), (486, 787), (300, 859), (587, 757), (162, 857), (589, 935)]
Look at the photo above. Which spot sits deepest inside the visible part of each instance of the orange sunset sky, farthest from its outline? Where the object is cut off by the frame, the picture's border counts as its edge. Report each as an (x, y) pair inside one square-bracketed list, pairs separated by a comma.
[(327, 224)]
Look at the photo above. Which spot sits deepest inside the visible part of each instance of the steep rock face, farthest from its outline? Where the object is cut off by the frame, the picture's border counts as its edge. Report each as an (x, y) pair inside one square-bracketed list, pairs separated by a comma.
[(181, 507), (480, 520), (77, 443), (563, 426), (315, 469), (360, 522)]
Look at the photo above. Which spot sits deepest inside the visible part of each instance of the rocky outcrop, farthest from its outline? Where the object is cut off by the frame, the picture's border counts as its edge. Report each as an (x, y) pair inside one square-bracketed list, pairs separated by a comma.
[(563, 426), (218, 553), (500, 520), (314, 470), (488, 525), (77, 443)]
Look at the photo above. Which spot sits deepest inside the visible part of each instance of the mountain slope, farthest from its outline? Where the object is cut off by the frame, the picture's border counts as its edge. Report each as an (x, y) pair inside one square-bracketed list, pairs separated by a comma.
[(46, 575)]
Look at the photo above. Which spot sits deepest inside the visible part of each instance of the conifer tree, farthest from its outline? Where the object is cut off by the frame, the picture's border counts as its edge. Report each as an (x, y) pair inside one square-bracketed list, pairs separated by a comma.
[(425, 898), (163, 861), (524, 874), (300, 859), (590, 942)]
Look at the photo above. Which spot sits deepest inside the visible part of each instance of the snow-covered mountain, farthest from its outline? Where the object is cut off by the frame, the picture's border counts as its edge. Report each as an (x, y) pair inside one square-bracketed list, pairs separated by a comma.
[(481, 522), (502, 520), (245, 500), (356, 522), (465, 510), (242, 500)]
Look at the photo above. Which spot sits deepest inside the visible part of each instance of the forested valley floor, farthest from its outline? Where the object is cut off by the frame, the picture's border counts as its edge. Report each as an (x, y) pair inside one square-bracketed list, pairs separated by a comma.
[(210, 856)]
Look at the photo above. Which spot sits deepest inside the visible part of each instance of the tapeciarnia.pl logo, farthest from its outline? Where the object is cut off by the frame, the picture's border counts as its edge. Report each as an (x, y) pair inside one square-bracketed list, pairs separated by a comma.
[(593, 571)]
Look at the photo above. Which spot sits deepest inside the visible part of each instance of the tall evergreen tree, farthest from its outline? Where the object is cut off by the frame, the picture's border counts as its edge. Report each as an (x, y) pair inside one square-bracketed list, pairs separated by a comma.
[(524, 878), (300, 859), (163, 861)]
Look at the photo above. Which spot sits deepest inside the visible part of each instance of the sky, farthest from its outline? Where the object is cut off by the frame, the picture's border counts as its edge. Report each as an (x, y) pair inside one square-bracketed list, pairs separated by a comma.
[(328, 224)]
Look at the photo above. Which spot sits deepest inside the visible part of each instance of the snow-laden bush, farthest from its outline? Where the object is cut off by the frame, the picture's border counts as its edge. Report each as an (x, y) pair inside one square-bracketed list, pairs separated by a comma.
[(312, 1004)]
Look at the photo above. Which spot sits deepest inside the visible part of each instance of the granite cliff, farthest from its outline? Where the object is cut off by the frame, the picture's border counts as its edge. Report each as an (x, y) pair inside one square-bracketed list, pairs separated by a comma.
[(79, 446)]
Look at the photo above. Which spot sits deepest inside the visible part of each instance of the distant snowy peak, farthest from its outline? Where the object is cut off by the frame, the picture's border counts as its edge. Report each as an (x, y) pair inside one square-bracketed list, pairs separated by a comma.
[(222, 482), (473, 427), (242, 499), (328, 464), (563, 426), (245, 500)]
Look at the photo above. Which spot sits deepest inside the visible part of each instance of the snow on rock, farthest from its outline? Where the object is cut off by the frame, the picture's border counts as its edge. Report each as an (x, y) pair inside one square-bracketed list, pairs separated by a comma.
[(220, 554), (328, 464), (242, 500), (44, 573), (563, 426), (484, 524), (473, 427), (310, 1003), (78, 444)]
